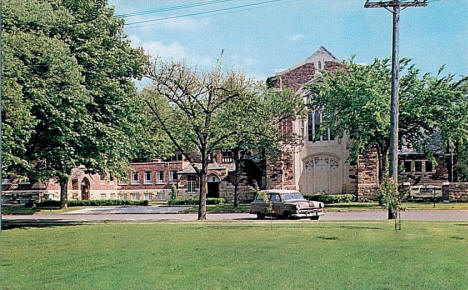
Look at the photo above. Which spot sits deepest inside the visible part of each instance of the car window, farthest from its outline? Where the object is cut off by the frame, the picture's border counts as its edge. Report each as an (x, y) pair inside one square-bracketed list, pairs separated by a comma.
[(274, 197), (294, 195)]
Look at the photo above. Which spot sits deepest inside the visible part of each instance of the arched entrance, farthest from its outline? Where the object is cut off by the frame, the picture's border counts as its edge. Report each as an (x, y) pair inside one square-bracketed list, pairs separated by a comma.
[(213, 186), (85, 189), (321, 174)]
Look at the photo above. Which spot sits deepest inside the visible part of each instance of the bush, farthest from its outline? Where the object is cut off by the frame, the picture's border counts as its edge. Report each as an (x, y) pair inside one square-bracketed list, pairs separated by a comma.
[(48, 203), (331, 198), (106, 202), (194, 201)]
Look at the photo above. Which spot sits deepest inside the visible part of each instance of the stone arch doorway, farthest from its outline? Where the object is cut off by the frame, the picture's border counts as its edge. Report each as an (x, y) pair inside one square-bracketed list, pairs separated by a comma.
[(321, 174), (85, 187), (213, 186)]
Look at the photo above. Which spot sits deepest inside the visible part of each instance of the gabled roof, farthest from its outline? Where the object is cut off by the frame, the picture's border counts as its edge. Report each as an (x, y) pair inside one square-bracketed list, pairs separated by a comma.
[(321, 54)]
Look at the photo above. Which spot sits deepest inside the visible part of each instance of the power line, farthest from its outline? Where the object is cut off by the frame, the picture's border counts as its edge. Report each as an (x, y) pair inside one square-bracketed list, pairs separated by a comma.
[(172, 8), (203, 12)]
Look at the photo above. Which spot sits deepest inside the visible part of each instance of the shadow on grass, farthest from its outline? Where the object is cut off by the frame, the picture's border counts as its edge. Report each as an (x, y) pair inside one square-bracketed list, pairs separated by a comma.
[(19, 210), (327, 238), (360, 228), (37, 223)]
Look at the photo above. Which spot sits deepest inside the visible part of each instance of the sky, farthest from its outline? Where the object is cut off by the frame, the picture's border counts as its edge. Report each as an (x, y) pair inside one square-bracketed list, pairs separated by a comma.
[(262, 39)]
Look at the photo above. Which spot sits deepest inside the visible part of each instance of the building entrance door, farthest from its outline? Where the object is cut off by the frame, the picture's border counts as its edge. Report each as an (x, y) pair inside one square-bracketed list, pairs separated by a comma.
[(85, 189), (213, 189), (321, 174), (213, 186)]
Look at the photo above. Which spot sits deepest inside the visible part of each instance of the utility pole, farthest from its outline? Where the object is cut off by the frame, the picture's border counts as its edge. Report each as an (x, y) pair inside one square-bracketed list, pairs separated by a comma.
[(396, 6)]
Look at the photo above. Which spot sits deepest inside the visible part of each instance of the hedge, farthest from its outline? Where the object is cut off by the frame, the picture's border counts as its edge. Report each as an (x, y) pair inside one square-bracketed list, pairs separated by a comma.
[(194, 201), (48, 203), (106, 202), (56, 203), (331, 198)]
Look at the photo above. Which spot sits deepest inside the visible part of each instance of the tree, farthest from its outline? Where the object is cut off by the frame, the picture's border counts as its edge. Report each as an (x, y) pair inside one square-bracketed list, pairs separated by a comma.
[(78, 86), (356, 101), (256, 122), (191, 107)]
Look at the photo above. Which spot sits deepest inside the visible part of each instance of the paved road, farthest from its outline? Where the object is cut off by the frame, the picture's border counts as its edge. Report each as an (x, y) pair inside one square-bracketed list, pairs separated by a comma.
[(423, 215)]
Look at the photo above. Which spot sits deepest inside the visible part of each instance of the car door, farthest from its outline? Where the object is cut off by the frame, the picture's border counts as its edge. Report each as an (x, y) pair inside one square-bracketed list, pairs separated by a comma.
[(276, 204), (258, 205)]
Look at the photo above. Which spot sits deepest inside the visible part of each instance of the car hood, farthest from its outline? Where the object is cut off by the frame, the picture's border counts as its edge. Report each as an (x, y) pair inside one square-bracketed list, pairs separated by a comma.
[(303, 203)]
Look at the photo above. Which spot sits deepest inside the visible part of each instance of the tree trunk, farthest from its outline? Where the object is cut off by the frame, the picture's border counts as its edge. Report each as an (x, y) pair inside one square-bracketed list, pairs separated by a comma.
[(391, 214), (63, 192), (236, 177), (203, 191)]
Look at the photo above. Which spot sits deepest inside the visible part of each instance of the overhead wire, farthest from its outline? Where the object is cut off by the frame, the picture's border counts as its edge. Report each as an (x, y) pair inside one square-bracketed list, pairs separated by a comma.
[(203, 12), (171, 8)]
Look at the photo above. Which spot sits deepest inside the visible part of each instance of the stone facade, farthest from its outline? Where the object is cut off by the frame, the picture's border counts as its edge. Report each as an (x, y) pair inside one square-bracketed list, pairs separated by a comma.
[(321, 165), (367, 176), (456, 191), (154, 181)]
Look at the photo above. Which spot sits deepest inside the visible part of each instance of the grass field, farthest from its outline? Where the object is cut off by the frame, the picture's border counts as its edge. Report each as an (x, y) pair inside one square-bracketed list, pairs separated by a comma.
[(247, 255)]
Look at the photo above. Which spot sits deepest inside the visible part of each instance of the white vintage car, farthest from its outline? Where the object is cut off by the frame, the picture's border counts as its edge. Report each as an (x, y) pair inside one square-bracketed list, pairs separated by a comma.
[(286, 204)]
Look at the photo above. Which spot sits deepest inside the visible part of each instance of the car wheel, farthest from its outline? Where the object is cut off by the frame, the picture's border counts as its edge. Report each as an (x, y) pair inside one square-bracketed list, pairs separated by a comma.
[(260, 216), (315, 218), (286, 215)]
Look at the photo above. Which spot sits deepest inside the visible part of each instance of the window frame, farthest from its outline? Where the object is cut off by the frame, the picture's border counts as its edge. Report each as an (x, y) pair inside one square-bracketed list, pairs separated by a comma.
[(159, 174), (173, 173), (146, 180), (133, 180)]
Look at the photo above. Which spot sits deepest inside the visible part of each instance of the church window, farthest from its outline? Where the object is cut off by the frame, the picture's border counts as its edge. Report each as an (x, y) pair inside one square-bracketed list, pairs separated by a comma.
[(317, 125), (319, 65), (310, 127)]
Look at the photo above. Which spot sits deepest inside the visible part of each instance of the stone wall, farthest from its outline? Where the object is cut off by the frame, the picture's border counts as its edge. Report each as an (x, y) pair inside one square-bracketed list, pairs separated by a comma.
[(456, 191), (280, 175), (368, 176)]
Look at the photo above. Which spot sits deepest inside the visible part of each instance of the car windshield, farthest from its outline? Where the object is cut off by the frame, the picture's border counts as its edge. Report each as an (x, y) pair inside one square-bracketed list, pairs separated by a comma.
[(294, 195)]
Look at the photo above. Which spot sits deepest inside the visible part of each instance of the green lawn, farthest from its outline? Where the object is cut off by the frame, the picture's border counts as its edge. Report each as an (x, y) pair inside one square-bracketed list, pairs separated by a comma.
[(21, 210), (237, 255), (406, 205)]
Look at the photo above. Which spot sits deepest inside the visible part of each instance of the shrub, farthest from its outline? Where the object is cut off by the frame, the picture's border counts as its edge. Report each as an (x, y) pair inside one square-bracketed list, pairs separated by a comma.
[(331, 198), (106, 202), (48, 203), (194, 201)]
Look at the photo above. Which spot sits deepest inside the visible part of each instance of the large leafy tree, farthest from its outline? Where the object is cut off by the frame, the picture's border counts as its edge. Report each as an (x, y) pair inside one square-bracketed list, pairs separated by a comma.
[(356, 101), (75, 79), (257, 126), (192, 106)]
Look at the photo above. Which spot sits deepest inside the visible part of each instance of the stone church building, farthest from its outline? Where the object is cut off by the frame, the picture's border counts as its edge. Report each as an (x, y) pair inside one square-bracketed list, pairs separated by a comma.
[(318, 166)]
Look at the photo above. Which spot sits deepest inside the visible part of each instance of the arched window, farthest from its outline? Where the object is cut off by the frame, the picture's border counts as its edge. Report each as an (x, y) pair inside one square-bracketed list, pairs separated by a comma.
[(319, 65)]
